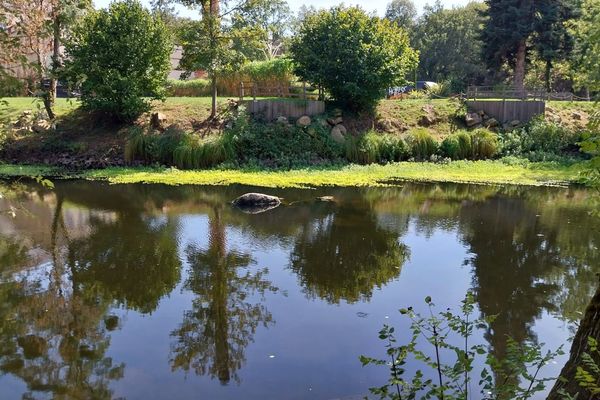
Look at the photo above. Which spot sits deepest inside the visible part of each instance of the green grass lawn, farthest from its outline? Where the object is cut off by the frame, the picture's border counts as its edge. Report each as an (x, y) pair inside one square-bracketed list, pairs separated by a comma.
[(482, 172)]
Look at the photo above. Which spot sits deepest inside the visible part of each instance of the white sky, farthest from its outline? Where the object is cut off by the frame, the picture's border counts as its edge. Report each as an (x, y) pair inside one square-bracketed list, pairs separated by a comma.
[(369, 5)]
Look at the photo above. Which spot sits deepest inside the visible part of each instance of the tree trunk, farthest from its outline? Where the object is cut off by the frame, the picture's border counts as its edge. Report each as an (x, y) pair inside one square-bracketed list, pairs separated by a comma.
[(213, 109), (520, 66), (547, 76), (55, 59), (588, 327)]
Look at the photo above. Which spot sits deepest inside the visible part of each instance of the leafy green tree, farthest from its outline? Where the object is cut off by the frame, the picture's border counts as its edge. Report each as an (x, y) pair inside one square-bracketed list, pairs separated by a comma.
[(586, 31), (552, 40), (120, 57), (401, 12), (352, 55), (513, 28), (449, 45)]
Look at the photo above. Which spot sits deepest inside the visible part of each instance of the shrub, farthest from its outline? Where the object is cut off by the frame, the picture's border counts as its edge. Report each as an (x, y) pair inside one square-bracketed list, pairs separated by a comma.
[(457, 146), (353, 55), (191, 88), (484, 144), (422, 144), (120, 58), (271, 73), (550, 137), (372, 147)]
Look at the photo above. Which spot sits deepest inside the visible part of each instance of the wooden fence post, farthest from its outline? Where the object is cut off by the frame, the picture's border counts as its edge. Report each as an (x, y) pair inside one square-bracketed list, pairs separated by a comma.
[(241, 91), (304, 90)]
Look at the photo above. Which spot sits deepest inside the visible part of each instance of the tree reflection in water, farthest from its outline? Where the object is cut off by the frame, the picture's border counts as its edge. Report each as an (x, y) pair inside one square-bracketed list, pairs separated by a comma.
[(213, 336), (53, 334), (346, 253)]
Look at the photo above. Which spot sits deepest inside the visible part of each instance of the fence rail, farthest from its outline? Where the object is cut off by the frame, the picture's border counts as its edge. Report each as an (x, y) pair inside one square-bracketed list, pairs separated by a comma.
[(490, 92), (290, 90)]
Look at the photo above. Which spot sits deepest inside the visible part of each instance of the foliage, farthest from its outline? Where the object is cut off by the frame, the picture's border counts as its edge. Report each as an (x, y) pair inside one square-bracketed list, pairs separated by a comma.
[(120, 57), (271, 73), (374, 148), (173, 148), (401, 12), (506, 378), (457, 146), (192, 87), (586, 31), (449, 46), (539, 140), (281, 145), (591, 145), (354, 56), (422, 144), (485, 144)]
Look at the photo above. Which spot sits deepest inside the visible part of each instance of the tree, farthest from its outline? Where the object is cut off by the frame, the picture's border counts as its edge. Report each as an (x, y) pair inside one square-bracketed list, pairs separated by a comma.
[(586, 31), (552, 40), (271, 21), (33, 35), (514, 27), (449, 45), (213, 43), (354, 56), (120, 56), (401, 12)]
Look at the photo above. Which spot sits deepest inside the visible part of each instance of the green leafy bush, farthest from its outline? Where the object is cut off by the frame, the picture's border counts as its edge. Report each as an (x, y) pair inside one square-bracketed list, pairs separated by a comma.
[(273, 73), (374, 148), (422, 144), (484, 144), (353, 55), (120, 59), (281, 145), (550, 137)]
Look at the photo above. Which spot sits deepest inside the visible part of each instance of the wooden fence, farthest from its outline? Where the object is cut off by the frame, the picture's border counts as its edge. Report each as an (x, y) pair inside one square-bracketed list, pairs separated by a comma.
[(298, 90), (509, 110), (269, 109)]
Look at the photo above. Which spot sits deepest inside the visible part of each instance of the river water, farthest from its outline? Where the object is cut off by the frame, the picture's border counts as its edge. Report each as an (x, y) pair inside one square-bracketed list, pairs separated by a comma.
[(157, 292)]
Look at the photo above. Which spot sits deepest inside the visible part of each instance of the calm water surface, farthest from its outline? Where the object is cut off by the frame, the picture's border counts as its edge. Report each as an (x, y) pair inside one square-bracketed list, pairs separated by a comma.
[(152, 292)]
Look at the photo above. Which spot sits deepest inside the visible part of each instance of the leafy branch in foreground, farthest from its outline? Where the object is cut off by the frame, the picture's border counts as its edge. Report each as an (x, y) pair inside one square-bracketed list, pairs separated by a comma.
[(451, 356)]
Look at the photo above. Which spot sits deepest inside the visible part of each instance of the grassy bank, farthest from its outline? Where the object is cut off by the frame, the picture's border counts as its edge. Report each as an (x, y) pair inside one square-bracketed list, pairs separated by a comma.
[(481, 172)]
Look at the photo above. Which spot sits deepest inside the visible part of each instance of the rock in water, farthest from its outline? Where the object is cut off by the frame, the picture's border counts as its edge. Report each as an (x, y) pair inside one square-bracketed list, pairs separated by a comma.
[(255, 203)]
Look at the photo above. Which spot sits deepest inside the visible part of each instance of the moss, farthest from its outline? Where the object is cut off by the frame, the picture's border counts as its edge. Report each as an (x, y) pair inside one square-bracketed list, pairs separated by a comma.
[(484, 172)]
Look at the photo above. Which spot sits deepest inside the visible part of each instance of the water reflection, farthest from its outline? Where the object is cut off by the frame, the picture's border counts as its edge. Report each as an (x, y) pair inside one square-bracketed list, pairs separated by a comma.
[(223, 320), (335, 262), (74, 258)]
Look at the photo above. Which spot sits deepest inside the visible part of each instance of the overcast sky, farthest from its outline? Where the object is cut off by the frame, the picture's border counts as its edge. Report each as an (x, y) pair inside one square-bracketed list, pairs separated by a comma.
[(369, 5)]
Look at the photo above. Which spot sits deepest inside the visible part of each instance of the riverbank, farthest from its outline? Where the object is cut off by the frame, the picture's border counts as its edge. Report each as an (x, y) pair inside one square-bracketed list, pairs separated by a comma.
[(506, 171)]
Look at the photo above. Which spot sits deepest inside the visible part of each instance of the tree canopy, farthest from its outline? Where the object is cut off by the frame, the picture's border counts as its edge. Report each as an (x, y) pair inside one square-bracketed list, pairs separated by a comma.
[(120, 57), (351, 54)]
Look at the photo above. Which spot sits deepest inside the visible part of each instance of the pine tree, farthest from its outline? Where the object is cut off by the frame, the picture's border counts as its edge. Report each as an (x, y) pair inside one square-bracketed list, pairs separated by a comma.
[(513, 28)]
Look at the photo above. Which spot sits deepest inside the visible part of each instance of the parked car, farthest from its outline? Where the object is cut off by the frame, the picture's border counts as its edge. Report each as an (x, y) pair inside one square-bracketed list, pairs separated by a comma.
[(421, 85), (62, 89)]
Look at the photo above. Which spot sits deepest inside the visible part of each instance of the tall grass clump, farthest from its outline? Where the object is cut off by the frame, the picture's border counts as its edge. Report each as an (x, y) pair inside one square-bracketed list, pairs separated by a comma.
[(457, 146), (189, 88), (373, 148), (422, 144), (183, 150), (485, 144)]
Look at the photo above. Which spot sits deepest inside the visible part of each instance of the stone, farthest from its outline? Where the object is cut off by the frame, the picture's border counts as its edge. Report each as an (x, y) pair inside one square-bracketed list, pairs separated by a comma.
[(25, 120), (338, 133), (326, 199), (335, 121), (576, 115), (158, 121), (430, 117), (336, 112), (491, 123), (255, 203), (282, 120), (515, 123), (304, 121), (41, 126), (472, 119)]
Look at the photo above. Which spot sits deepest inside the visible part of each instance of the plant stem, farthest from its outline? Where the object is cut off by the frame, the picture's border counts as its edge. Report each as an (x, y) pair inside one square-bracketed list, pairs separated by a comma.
[(394, 372), (532, 381), (437, 357)]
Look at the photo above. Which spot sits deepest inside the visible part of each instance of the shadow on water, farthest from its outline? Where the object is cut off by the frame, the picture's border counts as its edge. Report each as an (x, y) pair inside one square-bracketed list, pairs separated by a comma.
[(74, 256)]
